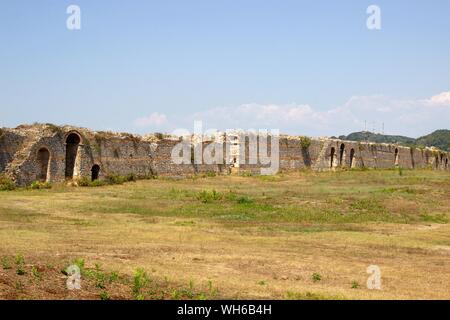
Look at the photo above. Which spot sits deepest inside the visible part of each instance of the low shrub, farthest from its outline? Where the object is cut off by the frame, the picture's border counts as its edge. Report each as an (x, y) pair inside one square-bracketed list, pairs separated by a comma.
[(305, 142), (207, 196), (118, 179), (39, 185), (140, 281), (6, 184), (244, 200), (316, 277)]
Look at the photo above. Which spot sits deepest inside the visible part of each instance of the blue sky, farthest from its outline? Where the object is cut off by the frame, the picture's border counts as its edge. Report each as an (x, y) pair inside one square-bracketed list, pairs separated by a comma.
[(304, 67)]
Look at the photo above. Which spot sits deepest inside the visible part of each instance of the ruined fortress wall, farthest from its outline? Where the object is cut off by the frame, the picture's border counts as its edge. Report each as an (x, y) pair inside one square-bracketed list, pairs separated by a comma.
[(54, 154), (10, 143), (115, 155), (162, 164)]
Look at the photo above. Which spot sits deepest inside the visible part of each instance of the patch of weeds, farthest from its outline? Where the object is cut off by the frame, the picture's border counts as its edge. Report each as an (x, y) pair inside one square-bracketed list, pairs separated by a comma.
[(269, 178), (36, 274), (435, 218), (210, 174), (104, 295), (39, 185), (6, 264), (230, 195), (118, 179), (54, 128), (316, 277), (246, 174), (261, 283), (101, 278), (140, 281), (355, 284), (178, 194), (113, 276), (208, 196), (244, 200), (184, 293), (213, 291), (87, 182), (6, 184), (370, 205), (20, 263)]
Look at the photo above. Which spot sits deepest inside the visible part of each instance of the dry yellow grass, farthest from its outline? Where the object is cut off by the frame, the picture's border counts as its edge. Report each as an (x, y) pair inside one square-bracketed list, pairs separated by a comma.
[(259, 237)]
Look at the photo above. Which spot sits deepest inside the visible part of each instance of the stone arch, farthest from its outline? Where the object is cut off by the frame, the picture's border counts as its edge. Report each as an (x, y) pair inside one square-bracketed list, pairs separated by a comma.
[(43, 159), (332, 154), (72, 141), (436, 160), (396, 157), (341, 154), (95, 172), (352, 158)]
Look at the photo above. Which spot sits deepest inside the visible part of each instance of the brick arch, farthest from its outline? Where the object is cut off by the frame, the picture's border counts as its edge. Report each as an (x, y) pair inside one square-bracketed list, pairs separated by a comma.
[(332, 155), (72, 141), (341, 154), (43, 157), (352, 158), (95, 172)]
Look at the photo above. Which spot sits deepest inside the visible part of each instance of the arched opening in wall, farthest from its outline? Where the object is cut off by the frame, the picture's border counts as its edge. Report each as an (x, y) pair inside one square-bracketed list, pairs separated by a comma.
[(436, 160), (43, 159), (333, 152), (413, 162), (352, 158), (72, 142), (396, 157), (446, 163), (341, 154), (95, 171)]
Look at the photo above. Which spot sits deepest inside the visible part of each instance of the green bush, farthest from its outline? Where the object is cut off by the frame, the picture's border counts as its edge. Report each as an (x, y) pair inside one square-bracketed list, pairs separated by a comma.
[(84, 182), (305, 142), (20, 262), (316, 277), (244, 200), (6, 184), (39, 185), (207, 196), (118, 179), (140, 281)]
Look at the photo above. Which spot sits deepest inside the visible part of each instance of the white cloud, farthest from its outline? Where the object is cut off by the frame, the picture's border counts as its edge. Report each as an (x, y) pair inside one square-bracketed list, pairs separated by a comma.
[(399, 116), (154, 119), (441, 99)]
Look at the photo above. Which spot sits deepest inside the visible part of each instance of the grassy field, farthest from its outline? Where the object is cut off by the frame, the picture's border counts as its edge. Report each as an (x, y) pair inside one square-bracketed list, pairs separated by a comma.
[(301, 235)]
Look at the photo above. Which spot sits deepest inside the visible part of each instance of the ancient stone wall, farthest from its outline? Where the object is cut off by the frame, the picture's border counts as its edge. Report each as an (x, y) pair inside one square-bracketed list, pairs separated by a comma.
[(55, 154)]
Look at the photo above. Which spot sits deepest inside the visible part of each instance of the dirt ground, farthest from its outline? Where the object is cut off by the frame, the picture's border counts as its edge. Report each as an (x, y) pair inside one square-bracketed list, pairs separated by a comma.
[(301, 235)]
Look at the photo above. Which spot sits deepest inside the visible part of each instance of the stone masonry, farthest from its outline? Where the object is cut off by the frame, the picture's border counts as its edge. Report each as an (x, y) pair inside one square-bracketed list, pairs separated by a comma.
[(45, 152)]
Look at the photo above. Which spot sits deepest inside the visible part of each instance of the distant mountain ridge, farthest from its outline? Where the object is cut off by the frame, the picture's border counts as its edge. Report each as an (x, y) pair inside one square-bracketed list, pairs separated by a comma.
[(439, 139)]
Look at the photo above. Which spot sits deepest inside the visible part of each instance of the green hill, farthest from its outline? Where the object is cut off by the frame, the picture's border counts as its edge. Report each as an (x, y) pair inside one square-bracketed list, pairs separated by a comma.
[(439, 139)]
